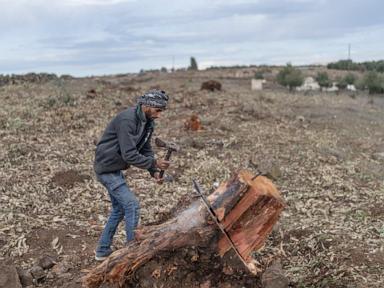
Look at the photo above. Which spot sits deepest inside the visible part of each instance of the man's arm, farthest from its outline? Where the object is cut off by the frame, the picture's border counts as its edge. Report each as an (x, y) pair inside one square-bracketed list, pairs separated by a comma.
[(128, 149), (147, 151)]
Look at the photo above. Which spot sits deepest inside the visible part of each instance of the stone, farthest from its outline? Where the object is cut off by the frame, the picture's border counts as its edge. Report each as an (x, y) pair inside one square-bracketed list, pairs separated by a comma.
[(50, 275), (378, 156), (37, 272), (274, 172), (61, 268), (9, 277), (46, 262), (25, 277)]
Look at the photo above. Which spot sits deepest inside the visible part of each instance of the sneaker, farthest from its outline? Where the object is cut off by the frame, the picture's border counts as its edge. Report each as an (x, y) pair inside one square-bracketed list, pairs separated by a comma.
[(102, 257)]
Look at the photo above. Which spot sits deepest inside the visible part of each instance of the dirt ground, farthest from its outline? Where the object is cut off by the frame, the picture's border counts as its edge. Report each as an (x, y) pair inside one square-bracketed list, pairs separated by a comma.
[(324, 151)]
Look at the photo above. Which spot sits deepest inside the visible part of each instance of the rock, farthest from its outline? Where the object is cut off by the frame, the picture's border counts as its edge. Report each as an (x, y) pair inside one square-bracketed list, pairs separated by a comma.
[(61, 268), (37, 272), (378, 156), (274, 277), (274, 172), (25, 277), (50, 275), (9, 277), (46, 262)]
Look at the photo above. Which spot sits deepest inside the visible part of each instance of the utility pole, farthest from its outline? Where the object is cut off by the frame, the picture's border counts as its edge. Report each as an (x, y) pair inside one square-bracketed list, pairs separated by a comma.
[(349, 51)]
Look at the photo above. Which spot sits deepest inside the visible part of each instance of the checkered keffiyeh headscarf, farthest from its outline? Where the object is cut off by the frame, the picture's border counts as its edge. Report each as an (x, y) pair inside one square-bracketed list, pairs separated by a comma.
[(154, 98)]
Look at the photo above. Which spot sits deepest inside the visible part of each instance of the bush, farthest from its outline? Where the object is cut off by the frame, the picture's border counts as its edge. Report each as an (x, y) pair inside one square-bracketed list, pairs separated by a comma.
[(290, 77), (323, 79), (259, 75), (350, 79), (374, 82), (340, 83)]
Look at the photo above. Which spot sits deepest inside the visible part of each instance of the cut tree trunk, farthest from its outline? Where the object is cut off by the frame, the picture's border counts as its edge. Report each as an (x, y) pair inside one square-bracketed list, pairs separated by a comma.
[(248, 208)]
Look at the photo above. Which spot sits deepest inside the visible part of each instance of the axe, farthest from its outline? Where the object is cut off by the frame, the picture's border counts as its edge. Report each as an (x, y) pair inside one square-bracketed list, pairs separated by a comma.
[(171, 147)]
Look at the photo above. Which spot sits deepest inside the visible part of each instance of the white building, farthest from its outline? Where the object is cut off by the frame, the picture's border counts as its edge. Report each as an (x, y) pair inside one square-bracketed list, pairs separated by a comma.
[(309, 84), (257, 84)]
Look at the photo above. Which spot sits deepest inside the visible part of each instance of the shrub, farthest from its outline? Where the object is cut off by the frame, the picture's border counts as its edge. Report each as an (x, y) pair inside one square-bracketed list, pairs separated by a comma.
[(323, 79), (340, 83), (290, 77), (350, 79), (374, 82), (259, 75)]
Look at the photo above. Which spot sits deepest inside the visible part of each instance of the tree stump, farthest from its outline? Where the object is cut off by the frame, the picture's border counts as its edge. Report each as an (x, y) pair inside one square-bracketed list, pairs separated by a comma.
[(247, 208)]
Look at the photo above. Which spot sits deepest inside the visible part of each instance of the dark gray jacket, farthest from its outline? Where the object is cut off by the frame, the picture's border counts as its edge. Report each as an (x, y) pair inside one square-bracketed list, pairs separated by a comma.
[(125, 142)]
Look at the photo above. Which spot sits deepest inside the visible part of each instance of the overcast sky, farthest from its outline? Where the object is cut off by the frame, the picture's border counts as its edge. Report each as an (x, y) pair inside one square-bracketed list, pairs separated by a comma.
[(94, 37)]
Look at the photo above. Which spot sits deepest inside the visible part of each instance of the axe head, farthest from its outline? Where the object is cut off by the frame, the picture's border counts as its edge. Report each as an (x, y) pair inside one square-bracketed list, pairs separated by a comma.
[(169, 146)]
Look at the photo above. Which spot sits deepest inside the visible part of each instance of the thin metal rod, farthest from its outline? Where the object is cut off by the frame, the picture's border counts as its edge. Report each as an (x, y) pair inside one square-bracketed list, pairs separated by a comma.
[(214, 217)]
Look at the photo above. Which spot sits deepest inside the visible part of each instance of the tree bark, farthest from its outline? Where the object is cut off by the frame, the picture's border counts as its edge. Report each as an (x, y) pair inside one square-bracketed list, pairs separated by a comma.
[(247, 208)]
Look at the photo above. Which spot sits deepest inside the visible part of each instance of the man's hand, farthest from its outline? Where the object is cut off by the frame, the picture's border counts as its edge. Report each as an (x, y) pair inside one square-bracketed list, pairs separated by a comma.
[(158, 179), (162, 164)]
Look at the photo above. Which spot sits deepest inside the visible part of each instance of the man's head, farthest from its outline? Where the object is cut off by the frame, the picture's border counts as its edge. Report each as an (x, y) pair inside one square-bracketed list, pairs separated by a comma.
[(153, 103)]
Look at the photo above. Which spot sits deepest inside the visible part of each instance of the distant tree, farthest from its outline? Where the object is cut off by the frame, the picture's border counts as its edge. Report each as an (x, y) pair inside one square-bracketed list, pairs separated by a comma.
[(193, 65), (374, 82), (259, 75), (363, 66), (323, 79), (290, 77), (350, 79), (163, 69)]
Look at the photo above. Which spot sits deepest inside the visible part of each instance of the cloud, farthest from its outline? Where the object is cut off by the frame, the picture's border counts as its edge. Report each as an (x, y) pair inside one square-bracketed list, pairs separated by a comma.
[(94, 2), (128, 35)]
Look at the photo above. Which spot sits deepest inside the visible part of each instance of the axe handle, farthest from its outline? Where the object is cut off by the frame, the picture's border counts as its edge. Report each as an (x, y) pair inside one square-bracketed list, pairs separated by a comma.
[(167, 157)]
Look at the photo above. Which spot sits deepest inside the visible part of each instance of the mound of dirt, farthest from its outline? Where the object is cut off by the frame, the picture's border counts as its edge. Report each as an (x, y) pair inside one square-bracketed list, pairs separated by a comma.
[(211, 85)]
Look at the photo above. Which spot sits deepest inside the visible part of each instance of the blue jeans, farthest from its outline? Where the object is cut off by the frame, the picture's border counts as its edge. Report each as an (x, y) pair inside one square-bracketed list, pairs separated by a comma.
[(124, 205)]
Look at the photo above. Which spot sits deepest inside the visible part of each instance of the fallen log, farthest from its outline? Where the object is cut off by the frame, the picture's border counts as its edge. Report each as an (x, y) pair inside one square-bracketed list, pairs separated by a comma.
[(248, 208)]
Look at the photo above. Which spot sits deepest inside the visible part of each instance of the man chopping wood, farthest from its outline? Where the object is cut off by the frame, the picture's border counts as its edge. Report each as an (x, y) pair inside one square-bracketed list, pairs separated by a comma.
[(126, 142)]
